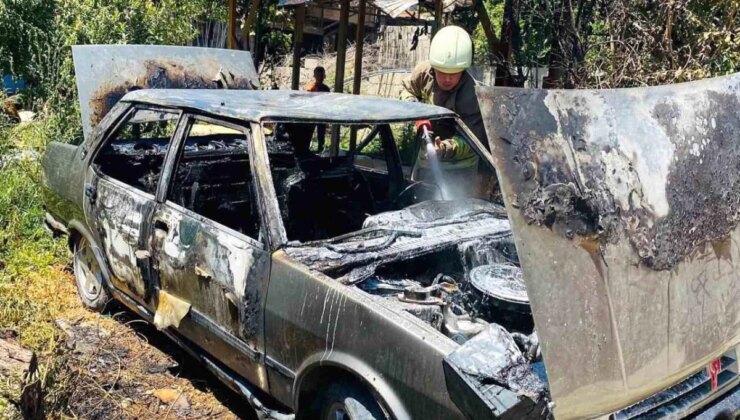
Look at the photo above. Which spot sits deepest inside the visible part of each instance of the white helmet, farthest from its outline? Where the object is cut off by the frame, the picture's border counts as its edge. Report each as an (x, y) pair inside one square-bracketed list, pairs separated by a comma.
[(451, 50)]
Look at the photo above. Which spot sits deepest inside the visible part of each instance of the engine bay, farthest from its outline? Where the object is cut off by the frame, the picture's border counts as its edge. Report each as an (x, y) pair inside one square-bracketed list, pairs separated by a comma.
[(459, 290), (454, 266)]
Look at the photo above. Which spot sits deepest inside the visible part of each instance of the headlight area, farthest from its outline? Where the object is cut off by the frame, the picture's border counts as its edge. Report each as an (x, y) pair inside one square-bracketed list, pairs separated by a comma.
[(490, 378)]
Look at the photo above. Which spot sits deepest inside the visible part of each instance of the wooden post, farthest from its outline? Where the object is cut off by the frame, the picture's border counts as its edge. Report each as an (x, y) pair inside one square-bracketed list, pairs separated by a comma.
[(341, 46), (339, 73), (357, 83), (231, 26), (359, 37), (437, 16), (254, 7), (300, 18)]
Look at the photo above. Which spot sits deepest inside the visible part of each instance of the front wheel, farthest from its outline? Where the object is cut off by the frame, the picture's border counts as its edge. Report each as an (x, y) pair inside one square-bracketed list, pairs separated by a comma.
[(349, 401), (89, 277)]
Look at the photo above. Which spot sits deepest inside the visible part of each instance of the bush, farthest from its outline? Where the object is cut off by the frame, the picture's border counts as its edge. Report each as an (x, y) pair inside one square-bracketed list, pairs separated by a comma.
[(22, 21)]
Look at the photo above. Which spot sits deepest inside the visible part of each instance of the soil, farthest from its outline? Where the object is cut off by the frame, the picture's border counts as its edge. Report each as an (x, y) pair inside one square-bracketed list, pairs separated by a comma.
[(119, 366)]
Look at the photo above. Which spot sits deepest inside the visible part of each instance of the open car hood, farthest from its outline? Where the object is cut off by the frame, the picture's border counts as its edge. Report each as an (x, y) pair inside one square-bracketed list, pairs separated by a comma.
[(625, 207), (105, 73)]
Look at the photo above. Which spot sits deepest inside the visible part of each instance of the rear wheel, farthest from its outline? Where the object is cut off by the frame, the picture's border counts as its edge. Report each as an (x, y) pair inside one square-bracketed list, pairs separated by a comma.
[(89, 277), (348, 401)]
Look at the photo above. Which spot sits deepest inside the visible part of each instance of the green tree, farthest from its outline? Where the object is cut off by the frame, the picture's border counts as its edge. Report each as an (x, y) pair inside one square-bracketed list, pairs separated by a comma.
[(617, 43), (643, 42), (22, 22)]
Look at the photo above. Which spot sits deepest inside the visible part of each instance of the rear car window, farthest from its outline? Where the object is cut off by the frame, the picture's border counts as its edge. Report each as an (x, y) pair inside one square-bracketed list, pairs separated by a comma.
[(135, 153)]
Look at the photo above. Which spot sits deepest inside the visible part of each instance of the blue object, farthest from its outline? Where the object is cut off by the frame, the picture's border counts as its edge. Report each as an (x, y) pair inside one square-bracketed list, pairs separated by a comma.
[(539, 369), (11, 85)]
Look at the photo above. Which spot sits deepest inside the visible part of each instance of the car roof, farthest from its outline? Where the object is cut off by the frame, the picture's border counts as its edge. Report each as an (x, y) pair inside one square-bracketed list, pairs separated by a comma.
[(282, 105)]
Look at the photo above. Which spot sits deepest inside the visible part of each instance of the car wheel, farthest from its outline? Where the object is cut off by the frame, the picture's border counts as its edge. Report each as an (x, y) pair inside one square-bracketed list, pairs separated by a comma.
[(89, 277), (348, 401)]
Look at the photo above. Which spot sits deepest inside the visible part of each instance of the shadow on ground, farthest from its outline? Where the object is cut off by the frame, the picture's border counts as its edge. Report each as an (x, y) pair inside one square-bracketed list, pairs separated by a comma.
[(120, 366), (186, 367)]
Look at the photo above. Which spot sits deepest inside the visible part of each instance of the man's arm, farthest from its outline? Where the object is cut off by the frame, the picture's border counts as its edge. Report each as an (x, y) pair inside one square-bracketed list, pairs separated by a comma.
[(418, 86)]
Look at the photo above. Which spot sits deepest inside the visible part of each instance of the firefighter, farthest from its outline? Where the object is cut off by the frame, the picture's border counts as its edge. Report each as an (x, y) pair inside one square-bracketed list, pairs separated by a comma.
[(444, 81)]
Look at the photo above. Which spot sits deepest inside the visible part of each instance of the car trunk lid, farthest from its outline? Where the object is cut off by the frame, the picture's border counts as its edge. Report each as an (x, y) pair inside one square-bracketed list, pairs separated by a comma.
[(105, 73)]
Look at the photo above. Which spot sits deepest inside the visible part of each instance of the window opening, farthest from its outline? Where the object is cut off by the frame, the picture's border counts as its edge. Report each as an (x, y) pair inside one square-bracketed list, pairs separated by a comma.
[(135, 153), (214, 179)]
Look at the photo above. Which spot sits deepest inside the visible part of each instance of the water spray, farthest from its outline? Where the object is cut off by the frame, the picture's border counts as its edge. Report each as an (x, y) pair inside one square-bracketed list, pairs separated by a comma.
[(434, 161)]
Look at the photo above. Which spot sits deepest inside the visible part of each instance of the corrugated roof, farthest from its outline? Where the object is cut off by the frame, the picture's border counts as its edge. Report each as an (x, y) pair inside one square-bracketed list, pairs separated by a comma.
[(393, 8)]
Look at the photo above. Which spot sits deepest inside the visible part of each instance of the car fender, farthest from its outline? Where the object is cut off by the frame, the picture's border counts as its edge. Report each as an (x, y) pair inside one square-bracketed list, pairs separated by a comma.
[(359, 369)]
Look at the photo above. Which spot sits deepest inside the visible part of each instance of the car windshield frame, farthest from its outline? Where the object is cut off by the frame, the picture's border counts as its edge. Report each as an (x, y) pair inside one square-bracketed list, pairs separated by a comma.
[(272, 212)]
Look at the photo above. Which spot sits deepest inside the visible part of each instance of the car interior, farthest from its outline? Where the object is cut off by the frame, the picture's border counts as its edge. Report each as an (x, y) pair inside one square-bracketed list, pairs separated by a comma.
[(320, 194), (323, 195)]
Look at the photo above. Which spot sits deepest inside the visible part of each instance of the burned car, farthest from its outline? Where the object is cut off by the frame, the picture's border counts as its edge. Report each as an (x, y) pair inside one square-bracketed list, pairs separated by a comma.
[(350, 282)]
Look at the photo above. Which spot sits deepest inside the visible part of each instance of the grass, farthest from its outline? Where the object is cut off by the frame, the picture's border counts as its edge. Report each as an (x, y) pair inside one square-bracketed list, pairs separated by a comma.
[(32, 263), (36, 286)]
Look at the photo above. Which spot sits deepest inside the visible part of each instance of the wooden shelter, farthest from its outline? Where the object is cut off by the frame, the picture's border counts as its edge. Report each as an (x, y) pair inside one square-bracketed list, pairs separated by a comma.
[(358, 11)]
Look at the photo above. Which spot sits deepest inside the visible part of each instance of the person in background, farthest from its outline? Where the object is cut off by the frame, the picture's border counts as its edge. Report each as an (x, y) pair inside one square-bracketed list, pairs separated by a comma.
[(317, 85), (444, 81)]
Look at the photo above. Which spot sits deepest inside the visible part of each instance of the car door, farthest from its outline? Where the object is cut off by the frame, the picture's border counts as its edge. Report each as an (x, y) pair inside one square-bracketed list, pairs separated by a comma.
[(208, 248), (624, 205), (120, 190)]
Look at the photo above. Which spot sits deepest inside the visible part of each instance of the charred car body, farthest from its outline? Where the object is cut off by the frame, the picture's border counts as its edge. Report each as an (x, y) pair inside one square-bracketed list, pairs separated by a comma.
[(338, 283)]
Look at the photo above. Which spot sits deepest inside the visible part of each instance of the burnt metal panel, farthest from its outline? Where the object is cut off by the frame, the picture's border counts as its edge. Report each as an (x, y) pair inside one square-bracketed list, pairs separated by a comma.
[(312, 321), (222, 274), (287, 105), (119, 213), (105, 73), (624, 206)]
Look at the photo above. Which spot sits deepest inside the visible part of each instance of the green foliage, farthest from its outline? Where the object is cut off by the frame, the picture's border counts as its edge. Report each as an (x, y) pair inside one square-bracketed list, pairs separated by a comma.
[(21, 22), (127, 21), (28, 254), (407, 141), (495, 10), (37, 36), (618, 43), (403, 133), (35, 40), (644, 42)]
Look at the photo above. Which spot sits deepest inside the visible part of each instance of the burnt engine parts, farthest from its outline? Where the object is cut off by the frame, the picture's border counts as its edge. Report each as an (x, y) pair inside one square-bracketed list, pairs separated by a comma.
[(459, 304), (496, 293)]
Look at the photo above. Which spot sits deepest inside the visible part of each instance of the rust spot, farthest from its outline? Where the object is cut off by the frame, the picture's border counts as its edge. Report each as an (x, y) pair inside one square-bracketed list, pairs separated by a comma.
[(162, 75), (723, 249)]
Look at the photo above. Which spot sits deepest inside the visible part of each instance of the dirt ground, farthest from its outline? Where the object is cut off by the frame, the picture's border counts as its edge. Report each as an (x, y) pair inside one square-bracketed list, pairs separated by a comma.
[(115, 365)]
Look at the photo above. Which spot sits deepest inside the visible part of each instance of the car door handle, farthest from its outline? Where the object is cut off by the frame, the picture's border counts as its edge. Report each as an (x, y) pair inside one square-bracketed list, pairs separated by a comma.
[(161, 225)]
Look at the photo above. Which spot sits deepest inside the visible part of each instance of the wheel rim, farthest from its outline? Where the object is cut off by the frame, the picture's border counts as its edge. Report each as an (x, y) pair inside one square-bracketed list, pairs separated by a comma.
[(338, 412), (87, 271)]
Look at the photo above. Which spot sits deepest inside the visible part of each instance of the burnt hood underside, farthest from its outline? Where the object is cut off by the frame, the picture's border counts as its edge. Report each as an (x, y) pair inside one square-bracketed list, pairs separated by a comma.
[(624, 206)]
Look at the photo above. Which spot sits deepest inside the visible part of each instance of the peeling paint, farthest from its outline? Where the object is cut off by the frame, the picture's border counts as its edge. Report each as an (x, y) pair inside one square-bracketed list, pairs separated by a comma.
[(623, 204), (120, 222), (170, 311)]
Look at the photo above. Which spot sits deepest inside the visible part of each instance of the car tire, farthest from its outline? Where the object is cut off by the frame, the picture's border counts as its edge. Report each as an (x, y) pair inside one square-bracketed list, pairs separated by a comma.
[(89, 276), (346, 400)]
